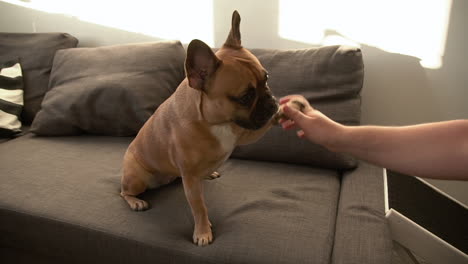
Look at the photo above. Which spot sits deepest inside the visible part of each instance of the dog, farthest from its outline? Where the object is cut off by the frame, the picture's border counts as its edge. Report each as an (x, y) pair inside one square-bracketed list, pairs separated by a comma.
[(224, 101)]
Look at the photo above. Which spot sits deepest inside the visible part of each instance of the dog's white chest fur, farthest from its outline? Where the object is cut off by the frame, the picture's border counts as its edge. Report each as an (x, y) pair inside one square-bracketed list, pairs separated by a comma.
[(225, 136)]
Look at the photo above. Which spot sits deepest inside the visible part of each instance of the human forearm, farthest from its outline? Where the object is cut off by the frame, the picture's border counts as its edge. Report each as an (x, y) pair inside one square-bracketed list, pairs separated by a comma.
[(435, 150)]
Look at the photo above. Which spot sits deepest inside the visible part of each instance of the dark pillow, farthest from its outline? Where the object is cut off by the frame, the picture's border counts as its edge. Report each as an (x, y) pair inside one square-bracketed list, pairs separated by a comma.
[(36, 52), (331, 79), (11, 97), (109, 90)]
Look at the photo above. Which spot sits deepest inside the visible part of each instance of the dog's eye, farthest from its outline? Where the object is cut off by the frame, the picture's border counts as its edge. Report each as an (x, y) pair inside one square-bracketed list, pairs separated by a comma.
[(263, 82), (247, 99)]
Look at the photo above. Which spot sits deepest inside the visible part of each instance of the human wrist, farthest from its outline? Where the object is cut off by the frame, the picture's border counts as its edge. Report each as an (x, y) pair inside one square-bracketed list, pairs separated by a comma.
[(338, 138)]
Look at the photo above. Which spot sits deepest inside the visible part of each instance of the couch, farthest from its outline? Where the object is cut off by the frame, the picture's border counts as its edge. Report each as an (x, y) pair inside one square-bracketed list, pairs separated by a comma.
[(279, 200)]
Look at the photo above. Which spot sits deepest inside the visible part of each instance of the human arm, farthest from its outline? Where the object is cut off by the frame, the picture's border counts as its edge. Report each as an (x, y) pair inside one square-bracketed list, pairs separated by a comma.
[(433, 150)]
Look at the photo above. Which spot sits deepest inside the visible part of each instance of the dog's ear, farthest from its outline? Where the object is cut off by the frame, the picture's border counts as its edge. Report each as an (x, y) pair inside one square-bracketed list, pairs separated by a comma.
[(234, 38), (201, 63)]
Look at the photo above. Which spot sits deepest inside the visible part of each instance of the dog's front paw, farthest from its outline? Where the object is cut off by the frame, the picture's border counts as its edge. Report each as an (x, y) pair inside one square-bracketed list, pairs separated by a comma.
[(139, 205), (213, 176), (203, 238), (135, 203), (297, 102)]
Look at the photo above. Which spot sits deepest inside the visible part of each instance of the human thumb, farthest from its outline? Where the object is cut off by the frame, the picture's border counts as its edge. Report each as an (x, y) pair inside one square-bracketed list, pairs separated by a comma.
[(297, 116)]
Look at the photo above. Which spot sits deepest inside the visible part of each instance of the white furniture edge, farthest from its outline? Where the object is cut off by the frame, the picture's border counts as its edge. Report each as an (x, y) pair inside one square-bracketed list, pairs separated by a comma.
[(418, 239)]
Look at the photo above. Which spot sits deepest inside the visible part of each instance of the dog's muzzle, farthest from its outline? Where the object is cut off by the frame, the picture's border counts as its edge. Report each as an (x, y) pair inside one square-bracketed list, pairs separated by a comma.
[(264, 110)]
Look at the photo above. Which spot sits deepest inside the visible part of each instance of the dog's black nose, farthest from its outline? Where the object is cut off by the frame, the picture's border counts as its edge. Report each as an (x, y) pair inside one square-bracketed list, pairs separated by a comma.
[(272, 107), (264, 111)]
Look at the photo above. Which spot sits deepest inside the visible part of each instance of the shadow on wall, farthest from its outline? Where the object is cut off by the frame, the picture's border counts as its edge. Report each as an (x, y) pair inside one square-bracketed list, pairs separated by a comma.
[(396, 90), (405, 93), (89, 34), (451, 81), (259, 24)]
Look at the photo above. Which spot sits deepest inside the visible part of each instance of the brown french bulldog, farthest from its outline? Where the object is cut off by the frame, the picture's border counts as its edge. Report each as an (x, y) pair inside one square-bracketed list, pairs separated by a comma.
[(224, 101)]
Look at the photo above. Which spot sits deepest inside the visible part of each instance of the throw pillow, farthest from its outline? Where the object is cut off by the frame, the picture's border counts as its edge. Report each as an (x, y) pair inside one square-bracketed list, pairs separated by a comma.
[(11, 97), (331, 79), (36, 52), (109, 90)]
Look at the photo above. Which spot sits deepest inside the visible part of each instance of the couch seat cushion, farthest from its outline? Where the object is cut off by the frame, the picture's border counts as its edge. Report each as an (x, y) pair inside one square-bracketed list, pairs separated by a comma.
[(60, 197)]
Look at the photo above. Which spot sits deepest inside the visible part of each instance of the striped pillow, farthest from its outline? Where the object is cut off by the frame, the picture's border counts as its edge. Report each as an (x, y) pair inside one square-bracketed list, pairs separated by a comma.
[(11, 97)]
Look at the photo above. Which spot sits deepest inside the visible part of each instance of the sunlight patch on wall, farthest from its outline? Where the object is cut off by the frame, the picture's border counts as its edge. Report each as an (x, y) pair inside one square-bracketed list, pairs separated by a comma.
[(417, 27), (183, 20)]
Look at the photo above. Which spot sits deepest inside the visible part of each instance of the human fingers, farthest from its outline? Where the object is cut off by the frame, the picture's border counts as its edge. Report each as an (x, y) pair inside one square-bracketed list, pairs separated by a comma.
[(300, 133), (294, 114), (290, 97), (288, 125), (284, 100)]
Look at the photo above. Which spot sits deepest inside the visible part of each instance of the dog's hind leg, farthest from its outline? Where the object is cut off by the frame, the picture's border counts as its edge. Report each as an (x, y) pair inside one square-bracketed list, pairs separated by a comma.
[(133, 183)]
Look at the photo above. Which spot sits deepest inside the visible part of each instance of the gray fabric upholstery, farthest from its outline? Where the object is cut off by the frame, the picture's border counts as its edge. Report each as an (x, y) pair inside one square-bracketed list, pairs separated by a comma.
[(331, 79), (36, 52), (109, 90), (20, 256), (59, 196), (362, 235)]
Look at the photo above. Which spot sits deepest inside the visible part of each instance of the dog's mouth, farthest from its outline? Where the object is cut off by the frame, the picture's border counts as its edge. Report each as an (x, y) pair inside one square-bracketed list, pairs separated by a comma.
[(265, 110)]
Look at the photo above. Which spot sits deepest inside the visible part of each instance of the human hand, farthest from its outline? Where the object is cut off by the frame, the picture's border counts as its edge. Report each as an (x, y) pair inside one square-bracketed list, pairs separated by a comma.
[(312, 124)]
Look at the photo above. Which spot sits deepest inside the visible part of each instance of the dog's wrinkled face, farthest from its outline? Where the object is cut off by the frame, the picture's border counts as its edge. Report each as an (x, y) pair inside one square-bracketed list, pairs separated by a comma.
[(246, 97), (233, 81)]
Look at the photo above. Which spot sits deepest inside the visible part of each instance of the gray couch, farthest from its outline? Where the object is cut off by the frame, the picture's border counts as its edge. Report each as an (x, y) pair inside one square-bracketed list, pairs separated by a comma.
[(280, 200)]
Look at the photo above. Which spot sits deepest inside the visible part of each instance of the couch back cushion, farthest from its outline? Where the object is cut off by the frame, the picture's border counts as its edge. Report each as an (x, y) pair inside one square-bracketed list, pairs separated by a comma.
[(36, 53), (331, 79), (109, 90)]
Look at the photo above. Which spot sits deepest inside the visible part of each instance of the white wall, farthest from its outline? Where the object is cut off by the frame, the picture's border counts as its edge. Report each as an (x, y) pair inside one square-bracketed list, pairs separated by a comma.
[(397, 89)]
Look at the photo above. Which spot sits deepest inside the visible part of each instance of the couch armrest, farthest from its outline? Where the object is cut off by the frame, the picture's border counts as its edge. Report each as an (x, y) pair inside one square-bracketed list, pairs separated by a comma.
[(361, 233)]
